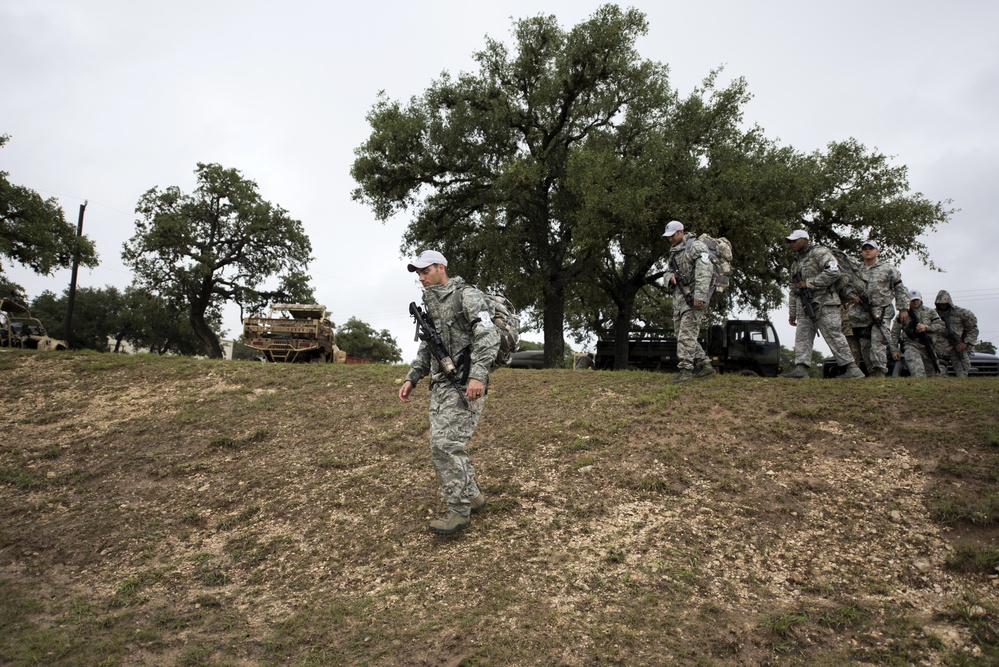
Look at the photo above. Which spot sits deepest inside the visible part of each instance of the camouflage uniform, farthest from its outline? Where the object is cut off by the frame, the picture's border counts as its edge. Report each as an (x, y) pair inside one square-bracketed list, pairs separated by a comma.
[(820, 271), (884, 282), (962, 325), (455, 308), (848, 333), (694, 261), (917, 357)]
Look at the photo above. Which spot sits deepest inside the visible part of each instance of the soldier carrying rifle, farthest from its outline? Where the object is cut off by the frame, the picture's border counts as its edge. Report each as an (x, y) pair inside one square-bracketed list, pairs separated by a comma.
[(689, 278), (960, 336), (457, 350), (917, 332), (813, 292), (871, 312)]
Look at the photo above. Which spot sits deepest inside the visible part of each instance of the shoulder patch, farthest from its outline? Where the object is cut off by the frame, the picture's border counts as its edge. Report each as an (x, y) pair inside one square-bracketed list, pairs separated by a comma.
[(706, 258)]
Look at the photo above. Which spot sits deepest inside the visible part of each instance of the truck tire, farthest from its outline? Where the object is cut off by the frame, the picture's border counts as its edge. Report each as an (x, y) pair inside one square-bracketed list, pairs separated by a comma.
[(748, 372)]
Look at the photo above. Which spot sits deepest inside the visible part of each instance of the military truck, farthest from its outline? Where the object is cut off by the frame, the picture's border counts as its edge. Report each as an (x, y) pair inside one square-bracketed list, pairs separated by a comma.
[(18, 329), (744, 347), (293, 333)]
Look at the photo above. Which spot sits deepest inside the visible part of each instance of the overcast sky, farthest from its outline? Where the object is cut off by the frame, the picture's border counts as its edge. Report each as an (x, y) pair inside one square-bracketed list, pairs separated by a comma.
[(105, 99)]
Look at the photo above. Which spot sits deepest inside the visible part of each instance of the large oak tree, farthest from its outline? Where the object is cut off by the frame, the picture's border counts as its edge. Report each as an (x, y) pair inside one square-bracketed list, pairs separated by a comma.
[(482, 160), (552, 171), (220, 244)]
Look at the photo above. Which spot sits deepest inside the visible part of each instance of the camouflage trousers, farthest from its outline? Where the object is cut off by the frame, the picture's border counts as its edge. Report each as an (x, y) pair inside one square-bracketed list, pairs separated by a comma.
[(917, 359), (687, 325), (874, 348), (829, 323), (959, 361), (451, 427)]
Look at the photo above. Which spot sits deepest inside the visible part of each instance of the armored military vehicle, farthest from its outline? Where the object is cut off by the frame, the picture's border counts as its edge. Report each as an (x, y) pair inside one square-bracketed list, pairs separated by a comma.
[(18, 329), (293, 333)]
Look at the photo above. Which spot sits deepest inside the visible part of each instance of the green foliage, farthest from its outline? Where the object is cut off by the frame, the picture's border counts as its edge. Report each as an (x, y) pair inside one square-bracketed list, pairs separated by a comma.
[(360, 341), (34, 231), (484, 160), (985, 346), (857, 195), (217, 245), (12, 290), (146, 321), (550, 173)]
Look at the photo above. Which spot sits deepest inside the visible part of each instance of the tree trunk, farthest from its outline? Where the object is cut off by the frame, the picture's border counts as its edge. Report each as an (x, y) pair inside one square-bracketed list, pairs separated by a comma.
[(205, 334), (554, 323), (622, 332)]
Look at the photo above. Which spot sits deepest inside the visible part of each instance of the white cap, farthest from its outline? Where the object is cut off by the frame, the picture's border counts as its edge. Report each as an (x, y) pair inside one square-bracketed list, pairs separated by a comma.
[(798, 234), (426, 258), (673, 227), (914, 294), (870, 242)]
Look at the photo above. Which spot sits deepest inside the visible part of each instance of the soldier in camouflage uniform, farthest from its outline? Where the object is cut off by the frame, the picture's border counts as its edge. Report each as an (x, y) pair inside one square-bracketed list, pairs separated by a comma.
[(960, 335), (884, 282), (461, 316), (690, 261), (818, 272), (921, 322)]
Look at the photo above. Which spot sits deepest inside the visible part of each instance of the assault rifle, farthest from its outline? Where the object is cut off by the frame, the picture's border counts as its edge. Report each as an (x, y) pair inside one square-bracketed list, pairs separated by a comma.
[(426, 331), (682, 281), (865, 300), (952, 337), (923, 337), (805, 294)]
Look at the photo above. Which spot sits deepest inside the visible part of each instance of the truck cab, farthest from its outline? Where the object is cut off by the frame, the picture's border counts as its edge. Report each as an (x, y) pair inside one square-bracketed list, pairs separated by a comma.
[(746, 347)]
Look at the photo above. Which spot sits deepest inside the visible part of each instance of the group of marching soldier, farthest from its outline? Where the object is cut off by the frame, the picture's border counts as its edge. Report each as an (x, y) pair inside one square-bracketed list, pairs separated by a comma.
[(927, 338)]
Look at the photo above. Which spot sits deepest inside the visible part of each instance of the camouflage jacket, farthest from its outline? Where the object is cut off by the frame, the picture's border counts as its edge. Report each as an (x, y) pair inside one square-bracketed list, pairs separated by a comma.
[(884, 282), (820, 270), (959, 321), (924, 315), (457, 311), (694, 261)]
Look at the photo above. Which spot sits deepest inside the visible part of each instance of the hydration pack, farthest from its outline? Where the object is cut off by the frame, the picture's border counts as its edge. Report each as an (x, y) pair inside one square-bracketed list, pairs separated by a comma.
[(506, 320), (720, 254)]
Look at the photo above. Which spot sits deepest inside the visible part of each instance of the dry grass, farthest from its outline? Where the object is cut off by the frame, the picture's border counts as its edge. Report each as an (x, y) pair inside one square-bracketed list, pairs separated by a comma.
[(189, 512)]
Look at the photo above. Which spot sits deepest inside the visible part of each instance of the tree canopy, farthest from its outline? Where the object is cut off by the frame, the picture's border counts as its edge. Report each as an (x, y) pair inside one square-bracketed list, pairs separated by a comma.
[(551, 172), (483, 159), (221, 244), (360, 341), (145, 321), (34, 232)]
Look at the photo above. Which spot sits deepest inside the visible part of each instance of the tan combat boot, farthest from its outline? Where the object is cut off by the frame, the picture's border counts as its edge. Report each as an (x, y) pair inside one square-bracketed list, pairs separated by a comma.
[(852, 372), (705, 370), (800, 372), (449, 524), (478, 502)]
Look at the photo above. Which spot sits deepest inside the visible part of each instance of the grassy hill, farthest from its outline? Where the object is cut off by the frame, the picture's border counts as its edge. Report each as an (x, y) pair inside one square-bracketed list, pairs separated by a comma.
[(173, 511)]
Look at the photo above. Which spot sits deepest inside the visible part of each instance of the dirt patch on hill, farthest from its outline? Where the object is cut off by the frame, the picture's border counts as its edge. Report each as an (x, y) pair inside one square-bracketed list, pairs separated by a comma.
[(182, 512)]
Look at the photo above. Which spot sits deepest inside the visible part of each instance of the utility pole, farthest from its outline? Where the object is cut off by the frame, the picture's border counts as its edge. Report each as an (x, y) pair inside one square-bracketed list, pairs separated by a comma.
[(72, 280)]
